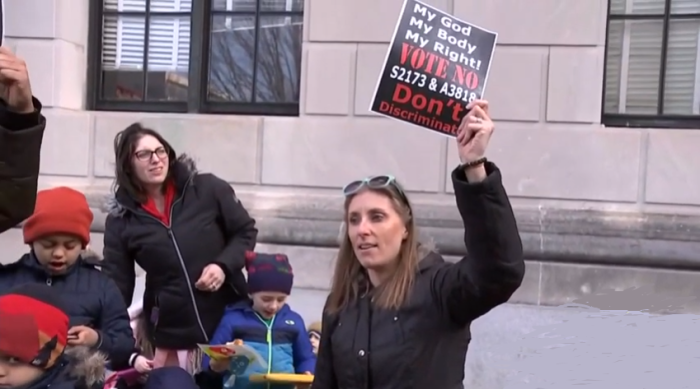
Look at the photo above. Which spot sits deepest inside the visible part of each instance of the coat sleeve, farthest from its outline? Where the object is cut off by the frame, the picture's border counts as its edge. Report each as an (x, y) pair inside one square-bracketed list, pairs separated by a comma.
[(494, 267), (21, 136), (238, 226), (304, 358), (116, 336), (325, 376), (117, 263)]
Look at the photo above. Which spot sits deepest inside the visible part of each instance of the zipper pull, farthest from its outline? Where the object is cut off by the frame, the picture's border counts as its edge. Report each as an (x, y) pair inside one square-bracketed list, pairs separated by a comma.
[(269, 335), (49, 281)]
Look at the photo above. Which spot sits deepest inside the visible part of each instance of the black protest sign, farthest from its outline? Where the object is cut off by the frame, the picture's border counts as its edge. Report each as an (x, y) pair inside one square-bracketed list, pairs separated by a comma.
[(435, 66)]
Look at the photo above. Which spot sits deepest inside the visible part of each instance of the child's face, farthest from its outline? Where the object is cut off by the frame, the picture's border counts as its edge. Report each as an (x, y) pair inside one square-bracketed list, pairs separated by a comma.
[(267, 304), (57, 252), (314, 342), (14, 373)]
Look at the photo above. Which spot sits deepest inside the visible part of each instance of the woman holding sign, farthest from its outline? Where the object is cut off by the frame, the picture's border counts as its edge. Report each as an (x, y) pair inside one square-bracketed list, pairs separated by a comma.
[(398, 315)]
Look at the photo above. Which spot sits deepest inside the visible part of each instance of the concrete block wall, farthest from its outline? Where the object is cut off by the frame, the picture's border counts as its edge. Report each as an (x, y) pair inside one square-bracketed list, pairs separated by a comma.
[(51, 35), (583, 193), (545, 90)]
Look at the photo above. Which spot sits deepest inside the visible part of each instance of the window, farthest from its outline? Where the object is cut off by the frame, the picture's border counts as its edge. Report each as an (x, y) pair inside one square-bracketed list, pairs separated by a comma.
[(203, 56), (652, 64)]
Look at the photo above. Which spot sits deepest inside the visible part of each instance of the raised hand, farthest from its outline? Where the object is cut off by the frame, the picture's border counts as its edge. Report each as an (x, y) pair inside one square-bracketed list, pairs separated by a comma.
[(14, 80)]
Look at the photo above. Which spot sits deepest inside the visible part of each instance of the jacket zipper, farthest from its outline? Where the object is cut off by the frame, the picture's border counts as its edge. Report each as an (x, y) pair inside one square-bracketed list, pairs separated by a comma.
[(182, 261), (268, 339)]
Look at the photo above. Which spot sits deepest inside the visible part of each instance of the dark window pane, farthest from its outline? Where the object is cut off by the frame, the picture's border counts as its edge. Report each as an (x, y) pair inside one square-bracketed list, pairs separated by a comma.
[(279, 59), (646, 7), (231, 58), (168, 58), (685, 7), (171, 5), (122, 57), (682, 89), (613, 66)]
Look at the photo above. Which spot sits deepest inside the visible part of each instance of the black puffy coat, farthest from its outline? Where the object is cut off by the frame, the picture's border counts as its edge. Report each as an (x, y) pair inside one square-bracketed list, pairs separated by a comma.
[(424, 344), (208, 225), (20, 147), (91, 300)]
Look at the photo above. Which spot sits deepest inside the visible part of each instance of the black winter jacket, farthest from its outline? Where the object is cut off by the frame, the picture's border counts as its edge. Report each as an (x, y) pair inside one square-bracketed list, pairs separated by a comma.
[(91, 299), (424, 344), (208, 225), (20, 146)]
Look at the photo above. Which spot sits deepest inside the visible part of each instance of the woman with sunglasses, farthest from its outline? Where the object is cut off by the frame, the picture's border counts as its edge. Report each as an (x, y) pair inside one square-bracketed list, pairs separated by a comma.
[(398, 315), (188, 231)]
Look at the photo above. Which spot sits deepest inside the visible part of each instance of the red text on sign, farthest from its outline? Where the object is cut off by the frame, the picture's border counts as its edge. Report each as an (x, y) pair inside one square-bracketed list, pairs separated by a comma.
[(435, 65), (468, 78), (425, 61), (403, 94)]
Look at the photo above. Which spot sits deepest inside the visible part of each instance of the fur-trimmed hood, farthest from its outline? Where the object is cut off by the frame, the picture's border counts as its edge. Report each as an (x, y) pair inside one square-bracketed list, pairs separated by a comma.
[(79, 368), (86, 365), (183, 170)]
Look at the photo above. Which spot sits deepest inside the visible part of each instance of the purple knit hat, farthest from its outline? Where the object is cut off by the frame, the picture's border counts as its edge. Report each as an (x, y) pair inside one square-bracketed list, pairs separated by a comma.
[(269, 273)]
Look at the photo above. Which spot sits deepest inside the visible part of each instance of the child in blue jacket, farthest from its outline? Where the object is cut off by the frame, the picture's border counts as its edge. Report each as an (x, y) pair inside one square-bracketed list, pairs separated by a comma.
[(265, 323)]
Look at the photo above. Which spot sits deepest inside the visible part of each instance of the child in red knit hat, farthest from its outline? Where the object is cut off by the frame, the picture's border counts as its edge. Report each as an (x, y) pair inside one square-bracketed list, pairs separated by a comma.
[(57, 233), (33, 343)]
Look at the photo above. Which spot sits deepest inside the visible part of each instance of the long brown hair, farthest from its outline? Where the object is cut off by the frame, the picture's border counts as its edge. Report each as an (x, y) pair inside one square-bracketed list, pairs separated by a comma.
[(350, 279), (124, 147)]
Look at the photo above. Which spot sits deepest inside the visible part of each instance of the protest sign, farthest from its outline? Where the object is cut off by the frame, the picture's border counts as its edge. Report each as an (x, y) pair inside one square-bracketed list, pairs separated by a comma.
[(435, 66)]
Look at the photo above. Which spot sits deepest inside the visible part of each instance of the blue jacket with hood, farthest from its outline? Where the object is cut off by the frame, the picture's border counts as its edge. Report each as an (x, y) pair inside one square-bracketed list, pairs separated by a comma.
[(284, 345)]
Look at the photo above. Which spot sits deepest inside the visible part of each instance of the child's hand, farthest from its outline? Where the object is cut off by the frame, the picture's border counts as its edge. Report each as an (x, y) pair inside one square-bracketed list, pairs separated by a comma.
[(143, 365), (219, 365), (82, 336), (308, 373)]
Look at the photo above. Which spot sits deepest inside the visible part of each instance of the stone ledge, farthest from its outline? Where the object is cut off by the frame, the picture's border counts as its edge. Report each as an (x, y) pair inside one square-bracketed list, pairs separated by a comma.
[(547, 284), (549, 235)]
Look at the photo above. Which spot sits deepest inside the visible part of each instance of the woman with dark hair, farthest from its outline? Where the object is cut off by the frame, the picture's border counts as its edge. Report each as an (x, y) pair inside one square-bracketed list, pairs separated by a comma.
[(398, 315), (188, 231)]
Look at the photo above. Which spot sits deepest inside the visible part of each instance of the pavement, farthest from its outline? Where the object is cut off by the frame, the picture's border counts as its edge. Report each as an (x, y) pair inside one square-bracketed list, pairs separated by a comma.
[(523, 347)]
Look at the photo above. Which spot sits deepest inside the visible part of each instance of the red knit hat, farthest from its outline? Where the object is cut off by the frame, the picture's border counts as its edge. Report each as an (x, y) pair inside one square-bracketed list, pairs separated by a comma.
[(33, 325), (59, 210)]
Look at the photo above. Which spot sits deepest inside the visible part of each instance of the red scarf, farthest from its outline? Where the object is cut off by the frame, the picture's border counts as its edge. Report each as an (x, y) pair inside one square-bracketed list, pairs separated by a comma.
[(150, 205)]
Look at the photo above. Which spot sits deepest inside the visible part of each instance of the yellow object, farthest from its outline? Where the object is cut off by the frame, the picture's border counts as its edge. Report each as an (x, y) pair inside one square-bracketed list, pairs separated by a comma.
[(282, 378)]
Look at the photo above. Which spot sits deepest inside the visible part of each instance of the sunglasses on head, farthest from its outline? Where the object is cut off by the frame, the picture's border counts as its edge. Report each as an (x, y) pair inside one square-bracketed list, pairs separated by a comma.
[(374, 182)]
